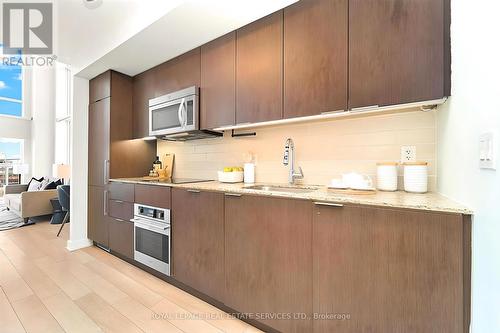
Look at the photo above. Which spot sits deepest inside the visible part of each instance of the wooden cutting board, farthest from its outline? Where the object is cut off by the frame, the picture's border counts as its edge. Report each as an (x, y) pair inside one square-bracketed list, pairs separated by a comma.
[(167, 162)]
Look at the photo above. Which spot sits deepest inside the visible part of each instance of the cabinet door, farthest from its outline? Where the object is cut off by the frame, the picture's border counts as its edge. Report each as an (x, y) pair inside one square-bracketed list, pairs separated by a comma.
[(178, 73), (269, 259), (198, 240), (390, 270), (97, 216), (143, 91), (396, 51), (218, 82), (259, 62), (315, 57), (100, 87), (121, 237), (99, 115)]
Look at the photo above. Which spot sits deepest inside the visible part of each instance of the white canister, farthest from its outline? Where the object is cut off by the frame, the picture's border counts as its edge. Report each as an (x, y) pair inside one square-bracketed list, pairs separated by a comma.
[(387, 176), (249, 173), (415, 177)]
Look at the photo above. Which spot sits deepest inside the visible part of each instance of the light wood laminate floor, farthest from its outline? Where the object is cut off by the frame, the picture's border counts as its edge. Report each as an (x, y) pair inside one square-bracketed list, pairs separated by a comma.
[(45, 288)]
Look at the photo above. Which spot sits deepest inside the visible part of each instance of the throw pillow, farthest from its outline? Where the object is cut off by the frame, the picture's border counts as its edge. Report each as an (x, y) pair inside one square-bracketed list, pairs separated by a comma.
[(43, 184), (34, 184), (53, 185)]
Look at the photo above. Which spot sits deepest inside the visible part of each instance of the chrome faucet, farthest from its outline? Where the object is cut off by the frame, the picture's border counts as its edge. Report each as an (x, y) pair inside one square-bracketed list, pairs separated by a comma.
[(289, 159)]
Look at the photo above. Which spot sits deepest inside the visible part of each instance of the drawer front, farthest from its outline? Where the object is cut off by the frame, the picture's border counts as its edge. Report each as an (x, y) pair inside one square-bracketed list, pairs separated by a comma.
[(151, 195), (121, 209), (121, 191), (121, 237)]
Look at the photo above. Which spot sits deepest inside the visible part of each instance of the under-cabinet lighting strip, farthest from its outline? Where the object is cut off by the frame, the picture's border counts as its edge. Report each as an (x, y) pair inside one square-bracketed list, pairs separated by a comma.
[(336, 114)]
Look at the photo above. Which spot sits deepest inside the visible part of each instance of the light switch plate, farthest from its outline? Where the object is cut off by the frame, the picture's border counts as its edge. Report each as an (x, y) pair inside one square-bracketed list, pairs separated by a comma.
[(487, 150)]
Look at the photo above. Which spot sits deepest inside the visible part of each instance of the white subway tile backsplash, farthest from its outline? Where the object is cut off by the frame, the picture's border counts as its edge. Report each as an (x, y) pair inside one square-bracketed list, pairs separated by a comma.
[(324, 149)]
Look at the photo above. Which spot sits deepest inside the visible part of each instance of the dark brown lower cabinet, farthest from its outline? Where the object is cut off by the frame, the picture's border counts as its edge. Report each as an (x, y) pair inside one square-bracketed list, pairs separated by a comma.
[(269, 260), (121, 237), (389, 270), (97, 222), (198, 240)]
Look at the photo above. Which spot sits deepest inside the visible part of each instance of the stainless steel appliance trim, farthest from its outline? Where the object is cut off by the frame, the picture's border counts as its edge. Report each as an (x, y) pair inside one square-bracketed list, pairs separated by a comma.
[(174, 96), (148, 225), (329, 204), (166, 213), (158, 265), (183, 122)]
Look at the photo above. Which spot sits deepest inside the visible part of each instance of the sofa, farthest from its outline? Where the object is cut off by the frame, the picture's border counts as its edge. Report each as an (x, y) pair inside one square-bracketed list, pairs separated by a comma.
[(28, 204)]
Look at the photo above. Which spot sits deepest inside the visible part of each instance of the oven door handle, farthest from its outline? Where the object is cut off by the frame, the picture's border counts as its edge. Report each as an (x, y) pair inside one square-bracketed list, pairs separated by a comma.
[(148, 226)]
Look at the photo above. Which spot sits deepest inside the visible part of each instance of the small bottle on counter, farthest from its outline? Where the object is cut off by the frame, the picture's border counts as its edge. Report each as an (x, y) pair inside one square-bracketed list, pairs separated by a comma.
[(249, 169), (157, 164)]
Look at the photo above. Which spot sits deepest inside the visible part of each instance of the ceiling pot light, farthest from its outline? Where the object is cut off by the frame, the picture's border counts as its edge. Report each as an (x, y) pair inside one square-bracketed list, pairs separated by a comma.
[(92, 4)]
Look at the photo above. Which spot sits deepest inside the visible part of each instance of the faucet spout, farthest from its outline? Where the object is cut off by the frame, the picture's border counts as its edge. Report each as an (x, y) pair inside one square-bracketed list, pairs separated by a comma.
[(289, 159)]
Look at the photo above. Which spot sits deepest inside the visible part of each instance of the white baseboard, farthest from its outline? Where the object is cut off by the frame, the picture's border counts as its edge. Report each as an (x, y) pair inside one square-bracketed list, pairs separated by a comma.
[(73, 245)]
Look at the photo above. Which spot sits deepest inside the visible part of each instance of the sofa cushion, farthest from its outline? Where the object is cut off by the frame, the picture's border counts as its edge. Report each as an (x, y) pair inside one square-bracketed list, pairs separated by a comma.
[(34, 184)]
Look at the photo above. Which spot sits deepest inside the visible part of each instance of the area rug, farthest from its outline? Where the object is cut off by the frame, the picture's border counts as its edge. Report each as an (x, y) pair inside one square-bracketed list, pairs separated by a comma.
[(9, 220)]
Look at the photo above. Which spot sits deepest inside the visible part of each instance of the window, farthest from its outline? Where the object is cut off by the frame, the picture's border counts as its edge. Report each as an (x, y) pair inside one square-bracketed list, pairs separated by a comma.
[(11, 90), (63, 114), (10, 153)]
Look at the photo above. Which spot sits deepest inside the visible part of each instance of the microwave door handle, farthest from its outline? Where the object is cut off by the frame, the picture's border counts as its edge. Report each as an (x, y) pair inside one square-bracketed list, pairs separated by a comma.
[(179, 113), (184, 113)]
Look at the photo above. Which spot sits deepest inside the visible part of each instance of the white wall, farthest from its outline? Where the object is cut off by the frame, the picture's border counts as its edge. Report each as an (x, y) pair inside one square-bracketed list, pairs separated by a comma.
[(43, 123), (79, 162), (474, 109)]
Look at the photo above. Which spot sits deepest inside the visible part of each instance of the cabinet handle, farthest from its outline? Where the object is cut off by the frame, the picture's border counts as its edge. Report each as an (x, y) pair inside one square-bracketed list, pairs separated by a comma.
[(332, 112), (193, 191), (118, 201), (106, 203), (119, 220), (106, 171), (364, 108), (235, 195), (329, 204)]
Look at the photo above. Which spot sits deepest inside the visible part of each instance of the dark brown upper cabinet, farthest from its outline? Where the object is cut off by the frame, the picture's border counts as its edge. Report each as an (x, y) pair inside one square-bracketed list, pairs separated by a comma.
[(100, 87), (398, 51), (144, 90), (315, 57), (198, 240), (218, 82), (259, 70), (178, 73), (392, 270)]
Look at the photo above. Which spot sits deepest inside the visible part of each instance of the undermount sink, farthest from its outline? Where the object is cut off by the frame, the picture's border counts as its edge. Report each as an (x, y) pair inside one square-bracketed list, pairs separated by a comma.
[(286, 189)]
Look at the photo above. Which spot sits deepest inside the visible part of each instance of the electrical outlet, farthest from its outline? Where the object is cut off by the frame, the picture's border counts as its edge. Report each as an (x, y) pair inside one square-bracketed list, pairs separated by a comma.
[(408, 154)]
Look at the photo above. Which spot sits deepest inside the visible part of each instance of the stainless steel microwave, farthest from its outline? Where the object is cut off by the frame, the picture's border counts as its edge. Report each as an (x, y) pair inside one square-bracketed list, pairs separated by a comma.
[(176, 116)]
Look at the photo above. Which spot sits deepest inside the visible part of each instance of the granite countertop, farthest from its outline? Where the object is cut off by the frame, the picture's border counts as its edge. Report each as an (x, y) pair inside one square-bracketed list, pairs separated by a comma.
[(429, 201)]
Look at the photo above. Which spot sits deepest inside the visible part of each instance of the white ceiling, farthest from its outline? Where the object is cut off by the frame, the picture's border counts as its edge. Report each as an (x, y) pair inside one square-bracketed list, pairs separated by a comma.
[(83, 35), (190, 24)]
